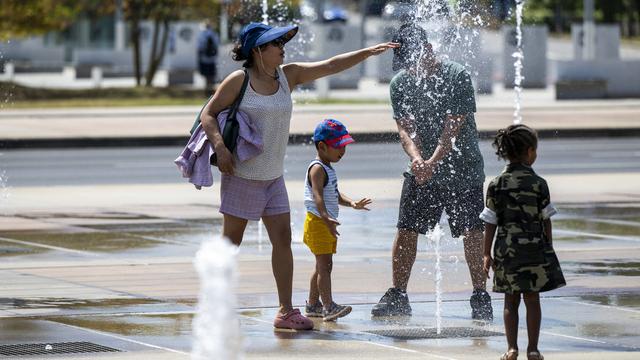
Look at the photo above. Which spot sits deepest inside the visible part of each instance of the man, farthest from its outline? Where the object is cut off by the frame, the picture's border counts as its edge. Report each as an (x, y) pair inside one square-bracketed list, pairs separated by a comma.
[(433, 105), (207, 57)]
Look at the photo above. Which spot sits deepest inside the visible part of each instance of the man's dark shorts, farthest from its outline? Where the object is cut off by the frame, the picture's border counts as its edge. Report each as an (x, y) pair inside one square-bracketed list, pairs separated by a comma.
[(421, 207)]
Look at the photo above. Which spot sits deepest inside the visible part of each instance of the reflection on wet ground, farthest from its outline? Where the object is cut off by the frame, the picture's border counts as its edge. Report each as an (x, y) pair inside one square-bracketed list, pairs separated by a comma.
[(562, 332), (607, 268), (78, 304), (361, 231), (619, 300), (134, 325)]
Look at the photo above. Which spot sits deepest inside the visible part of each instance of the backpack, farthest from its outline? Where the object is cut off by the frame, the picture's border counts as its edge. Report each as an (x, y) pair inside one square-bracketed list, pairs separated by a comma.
[(210, 49)]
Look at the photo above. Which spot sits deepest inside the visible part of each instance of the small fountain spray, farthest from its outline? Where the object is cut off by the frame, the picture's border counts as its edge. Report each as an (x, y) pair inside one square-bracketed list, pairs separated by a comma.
[(281, 10), (216, 327), (436, 236), (260, 234), (265, 12), (4, 190), (519, 56)]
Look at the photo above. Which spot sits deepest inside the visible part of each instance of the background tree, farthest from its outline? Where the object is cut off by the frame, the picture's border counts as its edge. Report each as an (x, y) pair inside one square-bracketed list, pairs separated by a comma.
[(19, 18), (162, 13)]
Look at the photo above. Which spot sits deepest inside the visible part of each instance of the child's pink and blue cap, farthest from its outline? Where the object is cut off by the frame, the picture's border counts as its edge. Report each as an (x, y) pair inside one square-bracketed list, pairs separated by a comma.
[(333, 133)]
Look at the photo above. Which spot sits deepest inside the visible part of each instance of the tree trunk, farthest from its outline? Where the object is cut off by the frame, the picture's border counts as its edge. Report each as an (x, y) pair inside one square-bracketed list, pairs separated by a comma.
[(135, 42), (152, 54), (156, 57), (557, 16), (636, 22)]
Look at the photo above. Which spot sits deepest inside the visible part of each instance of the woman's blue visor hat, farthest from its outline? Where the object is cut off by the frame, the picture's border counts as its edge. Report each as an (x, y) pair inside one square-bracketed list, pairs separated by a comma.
[(256, 34)]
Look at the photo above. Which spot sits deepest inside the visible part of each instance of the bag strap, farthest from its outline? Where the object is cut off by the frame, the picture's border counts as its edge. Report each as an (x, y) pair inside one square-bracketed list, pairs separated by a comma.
[(236, 104)]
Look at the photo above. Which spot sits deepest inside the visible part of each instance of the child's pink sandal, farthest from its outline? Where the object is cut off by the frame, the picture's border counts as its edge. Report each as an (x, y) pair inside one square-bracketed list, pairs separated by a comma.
[(292, 320)]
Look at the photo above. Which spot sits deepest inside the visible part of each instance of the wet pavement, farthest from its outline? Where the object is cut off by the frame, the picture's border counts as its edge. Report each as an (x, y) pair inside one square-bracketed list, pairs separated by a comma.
[(125, 280)]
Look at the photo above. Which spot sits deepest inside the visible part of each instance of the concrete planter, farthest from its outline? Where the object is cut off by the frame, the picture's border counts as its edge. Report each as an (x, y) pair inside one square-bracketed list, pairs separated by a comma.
[(581, 89)]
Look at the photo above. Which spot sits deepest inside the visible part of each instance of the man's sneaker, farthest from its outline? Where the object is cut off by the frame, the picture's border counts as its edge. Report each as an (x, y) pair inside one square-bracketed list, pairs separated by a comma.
[(393, 303), (481, 305), (335, 311), (313, 310)]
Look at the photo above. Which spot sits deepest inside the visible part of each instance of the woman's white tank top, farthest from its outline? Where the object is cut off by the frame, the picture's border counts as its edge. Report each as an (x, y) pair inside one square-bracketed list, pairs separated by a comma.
[(272, 116)]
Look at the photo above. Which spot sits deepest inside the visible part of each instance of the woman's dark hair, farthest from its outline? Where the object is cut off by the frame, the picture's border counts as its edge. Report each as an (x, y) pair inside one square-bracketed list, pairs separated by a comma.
[(513, 142), (239, 56)]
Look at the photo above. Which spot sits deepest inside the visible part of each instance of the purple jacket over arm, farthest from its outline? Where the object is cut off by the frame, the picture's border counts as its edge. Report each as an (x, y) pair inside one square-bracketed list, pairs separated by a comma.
[(194, 161)]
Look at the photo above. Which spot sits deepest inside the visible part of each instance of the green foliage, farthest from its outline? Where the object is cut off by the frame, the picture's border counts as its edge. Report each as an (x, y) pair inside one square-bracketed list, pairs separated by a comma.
[(559, 14), (246, 11), (20, 18)]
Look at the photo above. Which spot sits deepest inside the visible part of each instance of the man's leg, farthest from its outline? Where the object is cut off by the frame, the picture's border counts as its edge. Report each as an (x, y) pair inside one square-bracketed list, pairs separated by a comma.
[(418, 211), (403, 255), (473, 254), (395, 301), (480, 301), (464, 218)]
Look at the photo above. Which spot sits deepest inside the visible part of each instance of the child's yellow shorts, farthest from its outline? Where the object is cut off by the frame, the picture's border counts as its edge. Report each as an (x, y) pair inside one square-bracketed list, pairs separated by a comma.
[(318, 237)]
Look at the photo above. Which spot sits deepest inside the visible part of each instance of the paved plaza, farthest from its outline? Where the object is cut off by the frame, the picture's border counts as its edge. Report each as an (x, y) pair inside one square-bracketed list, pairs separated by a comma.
[(98, 246), (112, 265)]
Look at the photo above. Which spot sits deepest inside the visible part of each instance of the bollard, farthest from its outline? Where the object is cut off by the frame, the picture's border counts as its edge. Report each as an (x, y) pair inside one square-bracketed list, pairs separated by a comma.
[(96, 76), (322, 88), (9, 71)]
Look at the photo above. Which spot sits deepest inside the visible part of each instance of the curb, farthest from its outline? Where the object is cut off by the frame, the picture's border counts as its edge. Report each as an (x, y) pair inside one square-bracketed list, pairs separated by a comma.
[(372, 137)]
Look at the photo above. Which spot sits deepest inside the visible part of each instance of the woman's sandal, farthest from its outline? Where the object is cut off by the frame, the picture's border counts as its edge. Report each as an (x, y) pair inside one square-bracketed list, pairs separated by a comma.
[(292, 320), (511, 354), (534, 355)]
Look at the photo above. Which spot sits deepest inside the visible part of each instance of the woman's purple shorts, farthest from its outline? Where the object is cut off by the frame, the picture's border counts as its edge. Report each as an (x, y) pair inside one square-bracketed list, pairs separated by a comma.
[(253, 199)]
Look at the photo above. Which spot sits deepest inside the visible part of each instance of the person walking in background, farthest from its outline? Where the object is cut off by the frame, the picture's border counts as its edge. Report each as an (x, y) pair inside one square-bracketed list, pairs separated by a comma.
[(524, 263), (433, 105), (255, 189), (208, 44), (321, 199)]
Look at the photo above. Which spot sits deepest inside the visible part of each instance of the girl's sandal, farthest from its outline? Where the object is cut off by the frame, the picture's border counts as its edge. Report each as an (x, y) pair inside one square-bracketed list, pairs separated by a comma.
[(534, 355), (511, 354)]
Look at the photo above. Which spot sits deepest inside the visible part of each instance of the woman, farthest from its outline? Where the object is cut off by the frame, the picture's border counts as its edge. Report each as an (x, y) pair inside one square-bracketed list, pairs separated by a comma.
[(255, 188)]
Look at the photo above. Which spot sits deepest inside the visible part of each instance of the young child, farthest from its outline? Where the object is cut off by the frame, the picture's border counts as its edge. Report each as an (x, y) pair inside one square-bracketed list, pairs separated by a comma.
[(321, 199), (524, 263)]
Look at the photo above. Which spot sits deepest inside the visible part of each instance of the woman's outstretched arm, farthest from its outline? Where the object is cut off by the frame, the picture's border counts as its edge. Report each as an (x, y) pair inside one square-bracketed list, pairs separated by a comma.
[(300, 73)]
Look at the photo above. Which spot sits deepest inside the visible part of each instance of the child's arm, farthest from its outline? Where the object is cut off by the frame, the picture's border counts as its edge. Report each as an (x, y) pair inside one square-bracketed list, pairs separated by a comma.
[(489, 233), (318, 177), (361, 204), (548, 209), (547, 230)]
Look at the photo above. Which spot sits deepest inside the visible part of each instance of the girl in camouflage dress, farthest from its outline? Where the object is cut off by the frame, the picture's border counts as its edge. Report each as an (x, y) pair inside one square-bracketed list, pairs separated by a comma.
[(524, 263)]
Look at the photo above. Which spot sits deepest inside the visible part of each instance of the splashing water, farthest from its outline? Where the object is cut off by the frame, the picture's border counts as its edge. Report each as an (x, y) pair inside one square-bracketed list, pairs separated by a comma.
[(436, 236), (4, 190), (260, 234), (216, 327), (265, 14), (519, 56), (281, 10)]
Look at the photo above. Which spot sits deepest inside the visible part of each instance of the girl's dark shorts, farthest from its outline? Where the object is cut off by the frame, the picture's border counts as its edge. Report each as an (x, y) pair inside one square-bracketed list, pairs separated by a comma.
[(421, 207)]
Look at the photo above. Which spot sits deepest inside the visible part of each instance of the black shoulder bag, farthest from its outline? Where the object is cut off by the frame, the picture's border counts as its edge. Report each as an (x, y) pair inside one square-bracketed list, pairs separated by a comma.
[(231, 126)]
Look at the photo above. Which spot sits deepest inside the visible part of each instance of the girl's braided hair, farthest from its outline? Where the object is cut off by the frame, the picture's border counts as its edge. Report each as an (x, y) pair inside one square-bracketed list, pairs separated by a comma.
[(513, 142)]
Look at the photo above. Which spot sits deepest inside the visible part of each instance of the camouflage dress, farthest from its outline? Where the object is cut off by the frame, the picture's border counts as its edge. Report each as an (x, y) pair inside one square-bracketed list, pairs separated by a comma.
[(518, 203)]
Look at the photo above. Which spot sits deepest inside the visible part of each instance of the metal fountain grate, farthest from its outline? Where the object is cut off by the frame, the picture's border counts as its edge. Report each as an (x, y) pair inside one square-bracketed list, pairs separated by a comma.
[(53, 348), (431, 333)]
